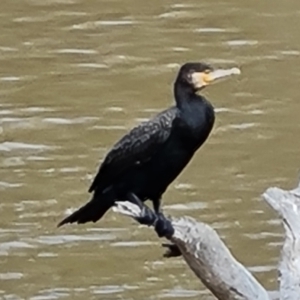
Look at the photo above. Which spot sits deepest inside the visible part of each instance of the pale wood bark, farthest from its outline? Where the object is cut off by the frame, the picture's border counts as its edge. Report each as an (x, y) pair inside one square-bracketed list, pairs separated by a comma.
[(212, 262), (287, 205)]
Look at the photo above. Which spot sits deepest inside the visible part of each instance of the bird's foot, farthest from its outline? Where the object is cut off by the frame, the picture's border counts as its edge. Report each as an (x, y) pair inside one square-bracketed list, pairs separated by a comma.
[(163, 226), (148, 217), (172, 250)]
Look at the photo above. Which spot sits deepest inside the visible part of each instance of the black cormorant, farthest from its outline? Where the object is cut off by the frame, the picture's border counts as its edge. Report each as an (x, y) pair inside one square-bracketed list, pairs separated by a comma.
[(147, 159)]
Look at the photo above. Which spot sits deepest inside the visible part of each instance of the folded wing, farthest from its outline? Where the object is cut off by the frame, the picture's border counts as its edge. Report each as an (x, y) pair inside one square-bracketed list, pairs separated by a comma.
[(135, 148)]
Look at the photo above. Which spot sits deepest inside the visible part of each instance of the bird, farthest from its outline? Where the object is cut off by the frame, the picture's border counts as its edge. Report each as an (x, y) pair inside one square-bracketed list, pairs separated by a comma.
[(145, 161)]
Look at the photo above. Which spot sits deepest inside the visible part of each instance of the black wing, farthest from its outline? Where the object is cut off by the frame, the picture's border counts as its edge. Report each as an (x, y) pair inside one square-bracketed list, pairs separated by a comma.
[(136, 147)]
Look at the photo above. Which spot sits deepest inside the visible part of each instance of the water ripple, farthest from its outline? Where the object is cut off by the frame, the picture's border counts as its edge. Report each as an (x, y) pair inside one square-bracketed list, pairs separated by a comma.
[(131, 244), (64, 239), (10, 276), (211, 30), (11, 146), (4, 185), (65, 121), (10, 78), (236, 43), (92, 66), (96, 24), (179, 293), (111, 289), (188, 206), (6, 246), (75, 51)]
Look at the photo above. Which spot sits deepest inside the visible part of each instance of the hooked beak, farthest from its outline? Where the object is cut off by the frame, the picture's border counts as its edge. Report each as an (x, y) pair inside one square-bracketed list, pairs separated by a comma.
[(202, 79), (218, 74)]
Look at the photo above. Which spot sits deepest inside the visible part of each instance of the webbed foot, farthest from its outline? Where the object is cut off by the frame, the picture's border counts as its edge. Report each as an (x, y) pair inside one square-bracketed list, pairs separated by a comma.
[(172, 250), (148, 217), (163, 226)]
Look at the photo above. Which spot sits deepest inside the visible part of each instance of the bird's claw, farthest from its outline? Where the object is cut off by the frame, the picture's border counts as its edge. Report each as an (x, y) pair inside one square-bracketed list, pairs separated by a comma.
[(172, 250), (147, 216), (163, 226)]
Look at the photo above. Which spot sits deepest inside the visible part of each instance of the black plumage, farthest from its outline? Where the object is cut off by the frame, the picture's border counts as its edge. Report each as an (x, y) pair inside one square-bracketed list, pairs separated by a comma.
[(147, 159)]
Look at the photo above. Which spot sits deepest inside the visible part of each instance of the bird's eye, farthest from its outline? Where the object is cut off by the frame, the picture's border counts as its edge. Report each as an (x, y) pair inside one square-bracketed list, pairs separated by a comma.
[(189, 76)]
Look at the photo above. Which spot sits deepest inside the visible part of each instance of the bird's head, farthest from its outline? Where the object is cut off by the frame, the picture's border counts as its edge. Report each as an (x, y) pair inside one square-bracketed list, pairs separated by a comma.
[(196, 76)]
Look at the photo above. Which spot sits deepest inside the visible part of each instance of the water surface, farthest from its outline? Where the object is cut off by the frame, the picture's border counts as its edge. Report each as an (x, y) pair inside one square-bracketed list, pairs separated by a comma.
[(76, 75)]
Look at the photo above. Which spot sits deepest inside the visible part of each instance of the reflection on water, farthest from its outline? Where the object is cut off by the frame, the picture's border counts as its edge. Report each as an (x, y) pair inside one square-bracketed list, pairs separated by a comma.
[(76, 75)]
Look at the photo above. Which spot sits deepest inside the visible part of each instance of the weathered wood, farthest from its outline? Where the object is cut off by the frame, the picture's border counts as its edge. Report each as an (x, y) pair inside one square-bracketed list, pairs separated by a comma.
[(212, 262), (208, 257), (287, 205)]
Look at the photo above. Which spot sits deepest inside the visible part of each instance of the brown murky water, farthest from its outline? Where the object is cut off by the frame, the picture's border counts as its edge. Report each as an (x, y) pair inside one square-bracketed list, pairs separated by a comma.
[(76, 75)]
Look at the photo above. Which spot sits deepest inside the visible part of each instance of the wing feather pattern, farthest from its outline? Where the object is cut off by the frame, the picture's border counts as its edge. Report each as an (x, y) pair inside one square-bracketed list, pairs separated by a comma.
[(136, 147)]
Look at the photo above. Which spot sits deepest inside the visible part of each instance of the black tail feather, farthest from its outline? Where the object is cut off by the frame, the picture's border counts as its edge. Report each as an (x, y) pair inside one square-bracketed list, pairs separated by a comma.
[(90, 212)]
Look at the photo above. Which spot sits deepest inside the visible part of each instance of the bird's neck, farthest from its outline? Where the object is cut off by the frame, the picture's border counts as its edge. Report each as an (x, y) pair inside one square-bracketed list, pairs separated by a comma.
[(184, 95), (196, 113)]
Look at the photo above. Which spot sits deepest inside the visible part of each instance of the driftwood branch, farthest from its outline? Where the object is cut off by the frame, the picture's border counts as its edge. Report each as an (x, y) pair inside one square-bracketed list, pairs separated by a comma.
[(212, 262), (287, 205), (208, 257)]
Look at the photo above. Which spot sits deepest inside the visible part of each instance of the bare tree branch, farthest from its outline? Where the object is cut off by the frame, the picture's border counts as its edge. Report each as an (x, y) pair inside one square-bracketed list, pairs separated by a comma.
[(208, 257), (212, 262), (287, 205)]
